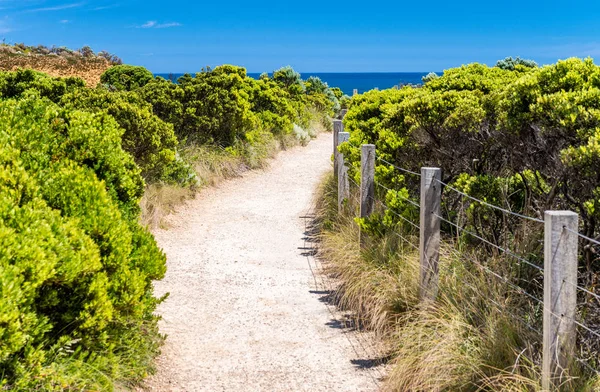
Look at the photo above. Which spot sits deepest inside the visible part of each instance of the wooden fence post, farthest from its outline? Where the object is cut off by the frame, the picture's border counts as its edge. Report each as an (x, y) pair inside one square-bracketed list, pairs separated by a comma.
[(429, 238), (343, 183), (338, 126), (560, 294), (367, 181), (343, 113)]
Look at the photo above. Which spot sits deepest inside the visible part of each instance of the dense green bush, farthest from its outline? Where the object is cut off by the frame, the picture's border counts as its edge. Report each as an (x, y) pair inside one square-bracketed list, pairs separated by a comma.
[(126, 77), (216, 107), (151, 141), (14, 84), (75, 267)]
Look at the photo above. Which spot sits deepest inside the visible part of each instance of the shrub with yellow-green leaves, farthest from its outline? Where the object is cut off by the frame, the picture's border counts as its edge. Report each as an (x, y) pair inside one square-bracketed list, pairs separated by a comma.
[(75, 266), (151, 141)]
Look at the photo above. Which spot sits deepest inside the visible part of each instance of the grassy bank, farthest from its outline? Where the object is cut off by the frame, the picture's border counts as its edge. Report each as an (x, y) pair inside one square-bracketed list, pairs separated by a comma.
[(476, 336)]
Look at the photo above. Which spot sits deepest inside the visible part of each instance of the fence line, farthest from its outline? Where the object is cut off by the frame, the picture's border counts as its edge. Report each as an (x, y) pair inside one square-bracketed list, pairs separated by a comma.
[(560, 258)]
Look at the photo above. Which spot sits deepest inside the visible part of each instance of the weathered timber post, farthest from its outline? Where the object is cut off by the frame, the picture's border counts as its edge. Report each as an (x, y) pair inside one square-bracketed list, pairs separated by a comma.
[(367, 182), (338, 126), (429, 238), (560, 295), (355, 92), (343, 113), (343, 183)]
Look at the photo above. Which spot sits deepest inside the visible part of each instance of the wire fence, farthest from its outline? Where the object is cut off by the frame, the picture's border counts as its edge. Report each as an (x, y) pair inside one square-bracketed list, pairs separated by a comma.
[(587, 334)]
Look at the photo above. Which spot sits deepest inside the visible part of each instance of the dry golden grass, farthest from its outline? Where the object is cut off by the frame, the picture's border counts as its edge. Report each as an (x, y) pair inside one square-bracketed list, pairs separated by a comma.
[(89, 70)]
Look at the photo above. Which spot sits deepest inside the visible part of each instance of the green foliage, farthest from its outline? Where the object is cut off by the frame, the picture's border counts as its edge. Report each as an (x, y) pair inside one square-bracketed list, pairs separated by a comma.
[(151, 141), (337, 92), (430, 76), (126, 77), (290, 80), (14, 84), (511, 64), (75, 267), (215, 107), (314, 85)]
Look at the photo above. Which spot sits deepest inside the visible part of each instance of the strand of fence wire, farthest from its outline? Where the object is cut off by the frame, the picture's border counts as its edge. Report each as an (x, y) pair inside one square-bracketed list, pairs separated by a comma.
[(539, 301), (519, 289), (592, 240), (329, 289), (499, 309), (490, 205), (406, 240), (583, 289), (504, 250), (585, 327), (398, 167), (577, 287), (414, 203), (596, 334)]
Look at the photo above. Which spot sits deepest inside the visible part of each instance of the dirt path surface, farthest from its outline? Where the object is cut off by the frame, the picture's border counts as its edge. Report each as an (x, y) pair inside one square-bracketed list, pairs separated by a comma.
[(243, 314)]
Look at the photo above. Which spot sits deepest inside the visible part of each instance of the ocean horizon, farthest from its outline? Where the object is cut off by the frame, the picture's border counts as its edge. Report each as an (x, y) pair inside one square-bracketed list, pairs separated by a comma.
[(348, 81)]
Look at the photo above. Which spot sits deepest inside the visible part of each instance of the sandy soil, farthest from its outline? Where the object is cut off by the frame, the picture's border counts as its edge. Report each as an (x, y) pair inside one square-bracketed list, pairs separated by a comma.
[(245, 312)]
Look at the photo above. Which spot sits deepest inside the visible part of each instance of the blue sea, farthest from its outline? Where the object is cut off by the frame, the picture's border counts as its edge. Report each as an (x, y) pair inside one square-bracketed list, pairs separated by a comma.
[(347, 82)]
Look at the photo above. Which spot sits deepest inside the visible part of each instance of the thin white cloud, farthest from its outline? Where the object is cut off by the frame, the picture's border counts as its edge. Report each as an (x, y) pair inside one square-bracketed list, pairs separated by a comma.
[(56, 7), (149, 24), (106, 7), (152, 24), (64, 21)]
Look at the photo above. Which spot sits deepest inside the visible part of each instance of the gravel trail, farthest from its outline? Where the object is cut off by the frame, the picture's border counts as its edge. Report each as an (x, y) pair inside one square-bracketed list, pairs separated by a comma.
[(243, 312)]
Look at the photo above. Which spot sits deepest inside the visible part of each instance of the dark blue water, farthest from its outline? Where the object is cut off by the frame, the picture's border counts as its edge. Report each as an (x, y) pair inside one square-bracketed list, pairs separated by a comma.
[(347, 82)]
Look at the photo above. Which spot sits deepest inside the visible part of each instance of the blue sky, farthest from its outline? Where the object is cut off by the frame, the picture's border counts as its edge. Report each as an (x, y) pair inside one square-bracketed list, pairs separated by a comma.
[(312, 36)]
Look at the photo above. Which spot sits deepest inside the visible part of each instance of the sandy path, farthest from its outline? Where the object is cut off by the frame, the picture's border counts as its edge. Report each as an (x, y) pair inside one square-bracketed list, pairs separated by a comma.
[(241, 315)]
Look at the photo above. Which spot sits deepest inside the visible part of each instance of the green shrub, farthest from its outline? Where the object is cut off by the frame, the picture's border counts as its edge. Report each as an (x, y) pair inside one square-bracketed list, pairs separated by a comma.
[(151, 141), (126, 77), (75, 267), (216, 107), (14, 84), (290, 80), (166, 99), (511, 64)]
